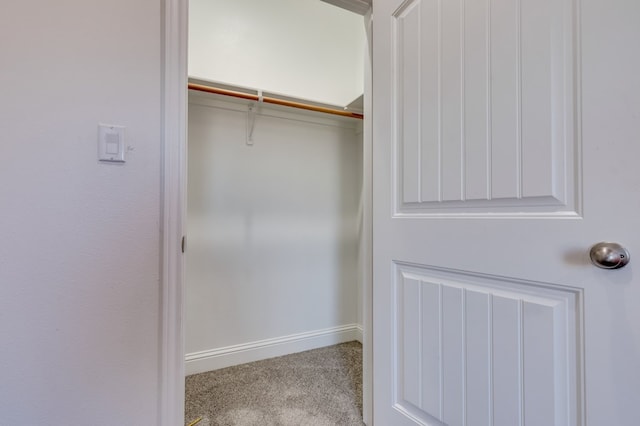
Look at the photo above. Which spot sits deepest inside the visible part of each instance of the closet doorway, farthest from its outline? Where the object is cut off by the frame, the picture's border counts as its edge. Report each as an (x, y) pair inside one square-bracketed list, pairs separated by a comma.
[(278, 227)]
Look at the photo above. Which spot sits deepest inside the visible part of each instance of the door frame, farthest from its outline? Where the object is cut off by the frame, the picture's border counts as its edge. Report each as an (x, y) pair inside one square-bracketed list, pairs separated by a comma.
[(174, 37)]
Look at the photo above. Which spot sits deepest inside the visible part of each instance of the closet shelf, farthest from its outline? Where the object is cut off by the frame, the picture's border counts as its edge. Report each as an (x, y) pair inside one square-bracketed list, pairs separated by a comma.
[(272, 100)]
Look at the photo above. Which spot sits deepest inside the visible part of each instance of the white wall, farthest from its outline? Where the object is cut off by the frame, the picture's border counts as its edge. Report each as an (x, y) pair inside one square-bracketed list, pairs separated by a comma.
[(79, 250), (272, 246), (302, 48)]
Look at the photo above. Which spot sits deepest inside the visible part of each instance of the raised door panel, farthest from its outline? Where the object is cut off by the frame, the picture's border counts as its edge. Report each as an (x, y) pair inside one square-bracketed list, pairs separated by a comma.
[(481, 350), (485, 111)]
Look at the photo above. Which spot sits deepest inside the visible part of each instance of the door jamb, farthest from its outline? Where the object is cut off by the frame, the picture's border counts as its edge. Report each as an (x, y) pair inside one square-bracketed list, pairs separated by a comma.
[(173, 195), (367, 229)]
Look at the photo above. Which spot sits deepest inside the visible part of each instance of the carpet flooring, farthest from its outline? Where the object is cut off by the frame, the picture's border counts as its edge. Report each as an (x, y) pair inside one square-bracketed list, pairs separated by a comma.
[(321, 387)]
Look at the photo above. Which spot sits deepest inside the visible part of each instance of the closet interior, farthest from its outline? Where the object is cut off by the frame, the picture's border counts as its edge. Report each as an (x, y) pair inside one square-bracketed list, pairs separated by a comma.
[(276, 239)]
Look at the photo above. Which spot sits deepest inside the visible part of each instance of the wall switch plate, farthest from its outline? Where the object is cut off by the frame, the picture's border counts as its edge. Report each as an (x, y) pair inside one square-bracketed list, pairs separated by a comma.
[(111, 146)]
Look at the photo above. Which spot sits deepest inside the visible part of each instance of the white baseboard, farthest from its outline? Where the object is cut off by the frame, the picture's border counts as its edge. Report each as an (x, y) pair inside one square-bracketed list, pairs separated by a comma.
[(213, 359)]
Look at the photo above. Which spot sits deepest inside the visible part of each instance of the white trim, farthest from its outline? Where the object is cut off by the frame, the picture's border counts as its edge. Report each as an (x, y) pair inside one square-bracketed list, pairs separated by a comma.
[(361, 7), (213, 359), (359, 333), (367, 225), (174, 141)]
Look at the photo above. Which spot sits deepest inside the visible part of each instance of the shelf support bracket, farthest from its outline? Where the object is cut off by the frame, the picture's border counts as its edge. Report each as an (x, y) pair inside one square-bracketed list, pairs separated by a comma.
[(251, 117)]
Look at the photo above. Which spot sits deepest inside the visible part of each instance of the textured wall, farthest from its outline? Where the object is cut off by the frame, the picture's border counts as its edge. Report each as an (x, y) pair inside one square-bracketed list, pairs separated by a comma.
[(79, 272)]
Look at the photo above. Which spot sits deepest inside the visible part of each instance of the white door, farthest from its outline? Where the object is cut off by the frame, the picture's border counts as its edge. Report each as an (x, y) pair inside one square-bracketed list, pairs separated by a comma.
[(506, 143)]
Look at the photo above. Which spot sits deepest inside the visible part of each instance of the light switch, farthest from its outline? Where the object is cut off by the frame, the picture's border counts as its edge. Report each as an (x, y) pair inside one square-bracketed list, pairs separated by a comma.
[(111, 143)]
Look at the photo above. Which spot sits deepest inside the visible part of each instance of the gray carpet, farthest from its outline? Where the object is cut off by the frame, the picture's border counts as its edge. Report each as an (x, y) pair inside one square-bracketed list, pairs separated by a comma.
[(321, 387)]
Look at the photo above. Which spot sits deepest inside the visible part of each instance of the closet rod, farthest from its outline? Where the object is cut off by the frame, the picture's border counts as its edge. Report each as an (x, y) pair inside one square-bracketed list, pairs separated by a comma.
[(276, 101)]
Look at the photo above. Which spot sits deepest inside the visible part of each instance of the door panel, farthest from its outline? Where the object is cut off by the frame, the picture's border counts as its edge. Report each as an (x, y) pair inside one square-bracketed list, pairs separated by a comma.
[(466, 342), (484, 111), (505, 145)]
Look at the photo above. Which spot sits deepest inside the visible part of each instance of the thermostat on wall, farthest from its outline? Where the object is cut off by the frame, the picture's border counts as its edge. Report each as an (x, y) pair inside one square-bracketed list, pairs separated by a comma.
[(111, 143)]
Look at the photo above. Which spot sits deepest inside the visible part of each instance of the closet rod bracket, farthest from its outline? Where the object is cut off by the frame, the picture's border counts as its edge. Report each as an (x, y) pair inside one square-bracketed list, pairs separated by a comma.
[(251, 117)]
